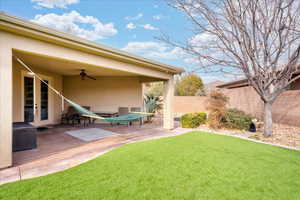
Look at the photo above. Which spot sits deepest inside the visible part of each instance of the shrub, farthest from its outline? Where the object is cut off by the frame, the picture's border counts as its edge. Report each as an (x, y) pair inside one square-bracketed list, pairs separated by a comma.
[(217, 108), (236, 119), (154, 89), (193, 120)]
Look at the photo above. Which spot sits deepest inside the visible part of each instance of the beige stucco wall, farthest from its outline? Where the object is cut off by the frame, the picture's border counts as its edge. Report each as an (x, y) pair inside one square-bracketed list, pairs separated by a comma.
[(188, 104), (55, 101), (105, 93), (286, 108), (17, 101), (5, 103)]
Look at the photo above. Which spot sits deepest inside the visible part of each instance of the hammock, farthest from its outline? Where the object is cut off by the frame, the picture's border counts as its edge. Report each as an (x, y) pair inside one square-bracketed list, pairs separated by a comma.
[(132, 116)]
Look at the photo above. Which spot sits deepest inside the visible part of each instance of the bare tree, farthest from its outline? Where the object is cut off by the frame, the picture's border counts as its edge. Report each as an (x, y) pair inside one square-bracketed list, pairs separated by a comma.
[(259, 39)]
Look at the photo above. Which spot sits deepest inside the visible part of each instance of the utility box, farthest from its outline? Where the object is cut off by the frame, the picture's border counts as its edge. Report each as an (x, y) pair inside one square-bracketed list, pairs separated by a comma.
[(24, 136)]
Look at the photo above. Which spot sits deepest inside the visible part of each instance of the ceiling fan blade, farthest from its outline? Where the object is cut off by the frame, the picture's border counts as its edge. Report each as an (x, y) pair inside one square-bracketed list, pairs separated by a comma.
[(91, 77)]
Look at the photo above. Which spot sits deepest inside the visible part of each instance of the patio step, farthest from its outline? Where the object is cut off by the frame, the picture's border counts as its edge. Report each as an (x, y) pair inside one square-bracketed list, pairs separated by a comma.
[(61, 160)]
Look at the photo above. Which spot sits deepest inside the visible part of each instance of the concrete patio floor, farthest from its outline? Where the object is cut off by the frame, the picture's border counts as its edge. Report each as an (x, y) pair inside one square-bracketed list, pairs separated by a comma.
[(58, 151)]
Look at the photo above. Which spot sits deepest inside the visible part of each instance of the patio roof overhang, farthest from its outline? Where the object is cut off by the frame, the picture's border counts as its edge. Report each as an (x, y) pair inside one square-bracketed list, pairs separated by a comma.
[(28, 29), (65, 67), (45, 49)]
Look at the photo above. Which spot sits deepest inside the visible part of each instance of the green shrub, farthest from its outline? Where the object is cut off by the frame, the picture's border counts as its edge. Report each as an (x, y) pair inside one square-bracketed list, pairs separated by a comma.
[(236, 119), (193, 120)]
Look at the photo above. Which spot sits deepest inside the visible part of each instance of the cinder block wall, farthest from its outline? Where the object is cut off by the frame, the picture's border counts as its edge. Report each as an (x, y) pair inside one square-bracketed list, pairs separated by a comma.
[(286, 109)]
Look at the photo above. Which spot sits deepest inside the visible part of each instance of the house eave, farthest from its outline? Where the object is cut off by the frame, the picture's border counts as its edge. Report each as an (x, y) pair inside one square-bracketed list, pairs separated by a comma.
[(29, 29), (234, 84)]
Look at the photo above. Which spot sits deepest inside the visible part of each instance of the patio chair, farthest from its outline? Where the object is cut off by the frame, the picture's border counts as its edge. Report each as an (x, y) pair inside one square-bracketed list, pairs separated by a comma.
[(72, 115), (137, 109), (123, 111), (67, 116)]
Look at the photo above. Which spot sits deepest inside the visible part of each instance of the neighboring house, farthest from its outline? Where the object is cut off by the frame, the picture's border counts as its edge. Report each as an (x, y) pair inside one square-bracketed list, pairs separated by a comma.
[(286, 108), (212, 86), (58, 58)]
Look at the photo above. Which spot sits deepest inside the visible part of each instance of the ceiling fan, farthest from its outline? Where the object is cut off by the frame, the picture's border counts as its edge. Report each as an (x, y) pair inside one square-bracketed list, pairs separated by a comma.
[(84, 75)]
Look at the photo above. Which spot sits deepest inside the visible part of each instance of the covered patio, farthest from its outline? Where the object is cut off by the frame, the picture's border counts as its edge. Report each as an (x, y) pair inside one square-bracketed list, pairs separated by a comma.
[(58, 151), (59, 58), (56, 139)]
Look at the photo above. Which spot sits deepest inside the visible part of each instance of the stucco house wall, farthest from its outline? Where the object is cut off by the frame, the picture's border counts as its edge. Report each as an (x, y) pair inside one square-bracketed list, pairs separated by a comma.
[(105, 93)]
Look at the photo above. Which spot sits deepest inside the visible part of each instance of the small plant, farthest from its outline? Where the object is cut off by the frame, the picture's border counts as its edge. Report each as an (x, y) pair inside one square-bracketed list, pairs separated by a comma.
[(152, 103), (193, 120), (217, 108), (236, 119)]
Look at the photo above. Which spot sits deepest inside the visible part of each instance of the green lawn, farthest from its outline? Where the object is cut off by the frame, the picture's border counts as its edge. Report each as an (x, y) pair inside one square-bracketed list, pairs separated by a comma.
[(192, 166)]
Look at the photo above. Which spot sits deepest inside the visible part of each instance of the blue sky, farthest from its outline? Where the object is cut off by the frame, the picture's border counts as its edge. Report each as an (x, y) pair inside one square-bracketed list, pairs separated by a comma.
[(129, 25)]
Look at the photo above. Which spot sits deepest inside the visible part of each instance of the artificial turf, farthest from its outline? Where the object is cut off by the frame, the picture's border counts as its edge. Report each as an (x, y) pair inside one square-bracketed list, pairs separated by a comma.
[(191, 166)]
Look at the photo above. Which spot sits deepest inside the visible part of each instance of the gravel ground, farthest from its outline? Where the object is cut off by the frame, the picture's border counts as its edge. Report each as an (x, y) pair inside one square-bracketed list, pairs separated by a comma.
[(282, 134)]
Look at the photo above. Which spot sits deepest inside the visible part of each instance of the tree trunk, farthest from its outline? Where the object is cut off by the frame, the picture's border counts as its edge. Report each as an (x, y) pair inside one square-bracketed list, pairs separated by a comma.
[(268, 123)]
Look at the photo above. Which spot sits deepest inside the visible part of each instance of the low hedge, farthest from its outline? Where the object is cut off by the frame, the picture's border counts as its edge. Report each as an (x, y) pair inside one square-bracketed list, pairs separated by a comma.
[(193, 120), (236, 119)]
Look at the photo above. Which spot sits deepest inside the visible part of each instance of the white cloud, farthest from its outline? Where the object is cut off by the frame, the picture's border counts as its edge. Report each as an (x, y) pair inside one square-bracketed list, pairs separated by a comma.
[(149, 27), (55, 3), (209, 78), (153, 50), (70, 23), (130, 26), (202, 37), (157, 17), (137, 17), (192, 60)]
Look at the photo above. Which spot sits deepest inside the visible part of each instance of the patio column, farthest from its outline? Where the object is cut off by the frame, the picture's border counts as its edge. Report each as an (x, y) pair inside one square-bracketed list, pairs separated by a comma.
[(168, 104), (5, 105)]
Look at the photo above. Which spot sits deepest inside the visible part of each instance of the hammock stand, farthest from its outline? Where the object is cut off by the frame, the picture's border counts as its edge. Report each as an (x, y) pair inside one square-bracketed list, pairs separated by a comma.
[(128, 118)]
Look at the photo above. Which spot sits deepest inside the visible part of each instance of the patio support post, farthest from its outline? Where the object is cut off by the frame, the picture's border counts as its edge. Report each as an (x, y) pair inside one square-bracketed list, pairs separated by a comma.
[(168, 104), (5, 104)]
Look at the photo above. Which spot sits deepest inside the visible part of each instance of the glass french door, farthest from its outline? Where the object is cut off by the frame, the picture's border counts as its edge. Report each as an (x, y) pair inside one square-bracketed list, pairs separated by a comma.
[(28, 99), (44, 114), (36, 101)]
